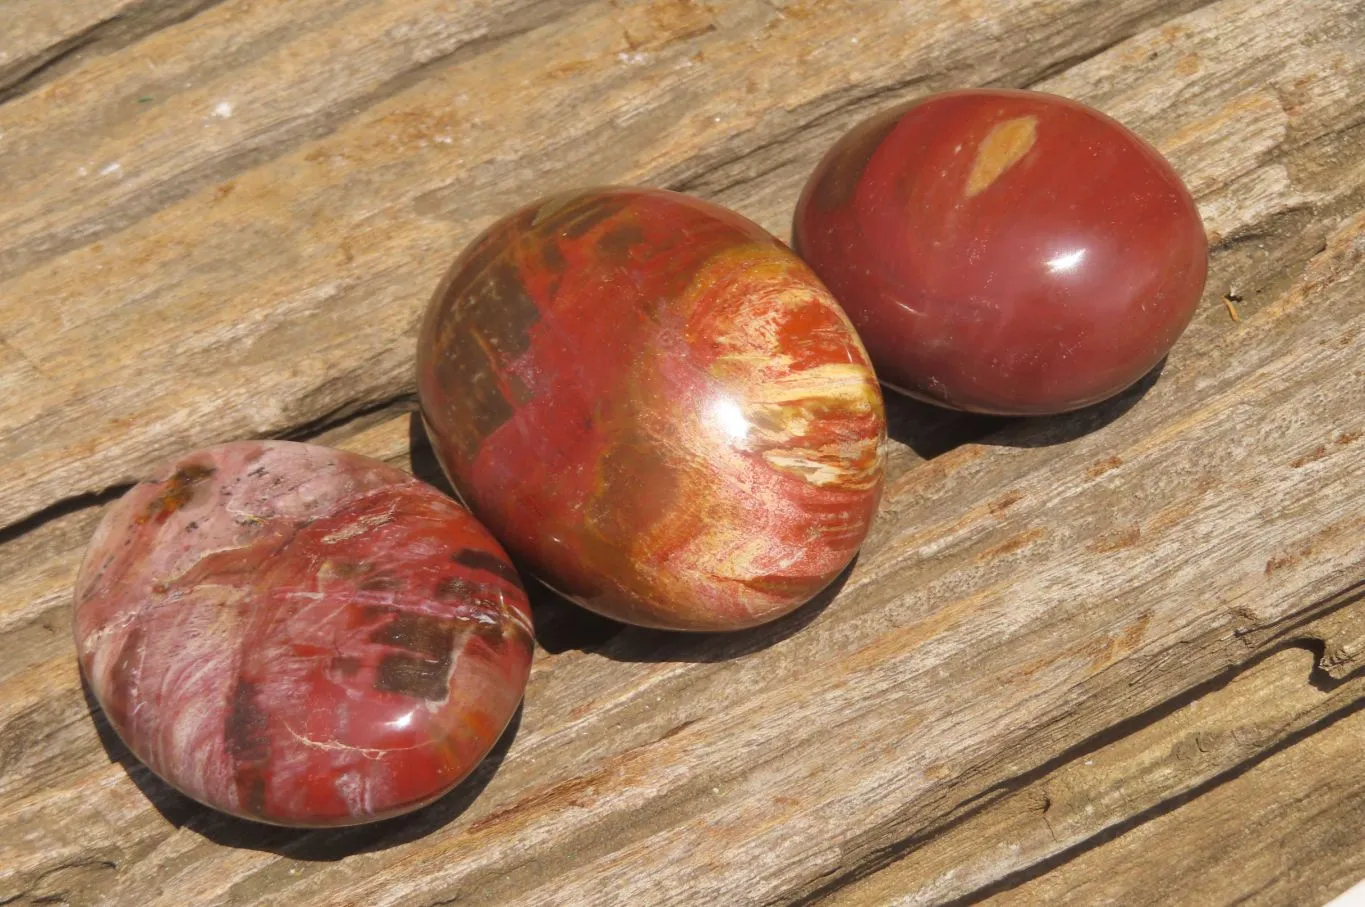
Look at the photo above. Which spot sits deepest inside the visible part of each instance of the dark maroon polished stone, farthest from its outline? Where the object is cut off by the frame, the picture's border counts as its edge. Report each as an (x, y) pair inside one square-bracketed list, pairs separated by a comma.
[(300, 635), (1005, 252)]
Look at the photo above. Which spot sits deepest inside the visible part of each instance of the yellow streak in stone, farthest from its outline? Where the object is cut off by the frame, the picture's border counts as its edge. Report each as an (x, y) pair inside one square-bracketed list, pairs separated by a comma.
[(814, 471), (845, 382), (850, 464), (1000, 150)]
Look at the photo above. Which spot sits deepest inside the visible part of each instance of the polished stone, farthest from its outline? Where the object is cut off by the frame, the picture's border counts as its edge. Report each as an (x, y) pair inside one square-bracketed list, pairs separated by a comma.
[(299, 635), (655, 405), (1006, 252)]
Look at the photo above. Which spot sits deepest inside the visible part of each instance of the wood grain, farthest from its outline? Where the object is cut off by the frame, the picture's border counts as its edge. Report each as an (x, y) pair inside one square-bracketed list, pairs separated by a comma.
[(349, 219), (40, 40), (1275, 834), (1023, 593), (1134, 776)]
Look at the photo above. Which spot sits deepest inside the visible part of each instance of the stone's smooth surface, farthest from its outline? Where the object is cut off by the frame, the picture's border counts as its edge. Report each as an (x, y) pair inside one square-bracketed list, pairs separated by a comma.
[(656, 405), (1006, 252), (299, 635)]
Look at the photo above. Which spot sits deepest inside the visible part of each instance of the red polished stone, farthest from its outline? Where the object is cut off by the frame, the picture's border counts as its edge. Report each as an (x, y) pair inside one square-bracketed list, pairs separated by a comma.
[(1004, 251), (656, 405), (301, 636)]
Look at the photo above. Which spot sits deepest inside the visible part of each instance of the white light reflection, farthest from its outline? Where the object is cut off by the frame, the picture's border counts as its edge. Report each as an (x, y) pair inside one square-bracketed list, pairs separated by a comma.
[(401, 722), (1066, 262), (730, 419)]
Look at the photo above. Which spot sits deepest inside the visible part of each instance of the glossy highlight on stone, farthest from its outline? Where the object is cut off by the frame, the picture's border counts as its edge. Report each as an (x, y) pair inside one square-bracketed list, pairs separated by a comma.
[(1005, 252), (299, 635), (656, 406)]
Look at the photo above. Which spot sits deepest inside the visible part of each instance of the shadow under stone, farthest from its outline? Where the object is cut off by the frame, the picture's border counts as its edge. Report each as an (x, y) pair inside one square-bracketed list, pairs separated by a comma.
[(931, 431)]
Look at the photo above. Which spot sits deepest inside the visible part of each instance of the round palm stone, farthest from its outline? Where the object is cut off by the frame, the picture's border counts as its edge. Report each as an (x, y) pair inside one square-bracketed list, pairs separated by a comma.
[(656, 406), (1006, 252), (301, 636)]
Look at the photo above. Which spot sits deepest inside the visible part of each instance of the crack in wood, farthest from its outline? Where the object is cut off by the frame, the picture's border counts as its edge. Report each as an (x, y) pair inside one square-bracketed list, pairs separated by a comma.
[(1293, 636), (1015, 879), (105, 36)]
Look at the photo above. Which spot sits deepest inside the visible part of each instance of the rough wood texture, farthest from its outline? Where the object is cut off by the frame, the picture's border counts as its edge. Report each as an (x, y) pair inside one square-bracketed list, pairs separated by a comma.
[(227, 226), (40, 40), (1201, 742), (1285, 836)]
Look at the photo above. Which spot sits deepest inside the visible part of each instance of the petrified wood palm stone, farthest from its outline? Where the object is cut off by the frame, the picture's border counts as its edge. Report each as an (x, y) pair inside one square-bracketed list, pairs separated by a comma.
[(656, 406), (299, 635)]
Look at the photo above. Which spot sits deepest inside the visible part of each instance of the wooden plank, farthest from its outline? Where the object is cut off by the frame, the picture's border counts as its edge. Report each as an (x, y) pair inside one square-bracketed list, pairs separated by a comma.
[(1286, 831), (39, 40), (224, 240), (1207, 738), (850, 700), (995, 620)]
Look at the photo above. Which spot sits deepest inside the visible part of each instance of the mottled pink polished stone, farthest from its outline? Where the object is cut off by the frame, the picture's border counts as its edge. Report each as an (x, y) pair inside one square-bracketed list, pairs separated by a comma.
[(299, 635)]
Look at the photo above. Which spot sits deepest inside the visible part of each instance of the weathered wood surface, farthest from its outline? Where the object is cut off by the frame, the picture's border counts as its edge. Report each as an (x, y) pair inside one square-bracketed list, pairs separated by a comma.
[(1142, 792), (1286, 833), (227, 226)]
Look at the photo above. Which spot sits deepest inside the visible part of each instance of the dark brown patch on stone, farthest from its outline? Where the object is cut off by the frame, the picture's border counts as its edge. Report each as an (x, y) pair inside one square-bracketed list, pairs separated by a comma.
[(419, 678), (178, 491), (488, 320), (488, 563), (499, 308), (419, 633), (246, 729), (477, 258), (575, 215), (552, 259), (618, 511), (370, 614), (350, 569), (493, 635), (250, 782), (346, 665), (616, 243), (380, 582)]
